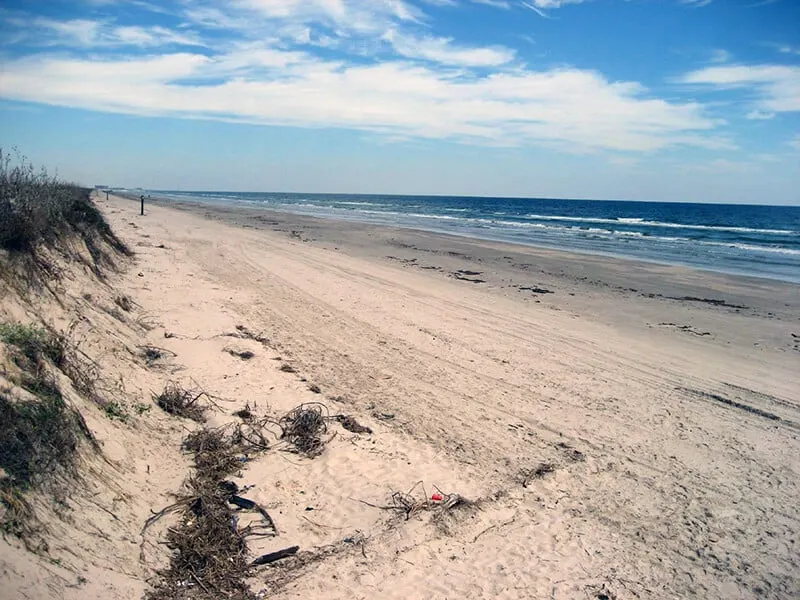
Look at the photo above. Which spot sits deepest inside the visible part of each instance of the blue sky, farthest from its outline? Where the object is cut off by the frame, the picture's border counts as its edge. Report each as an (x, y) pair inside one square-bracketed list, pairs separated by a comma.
[(686, 100)]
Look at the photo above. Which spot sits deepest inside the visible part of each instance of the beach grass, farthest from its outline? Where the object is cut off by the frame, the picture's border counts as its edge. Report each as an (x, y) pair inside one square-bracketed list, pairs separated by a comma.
[(38, 208)]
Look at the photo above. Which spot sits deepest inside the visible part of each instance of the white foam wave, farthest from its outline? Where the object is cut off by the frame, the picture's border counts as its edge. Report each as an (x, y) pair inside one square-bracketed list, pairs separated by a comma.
[(643, 222)]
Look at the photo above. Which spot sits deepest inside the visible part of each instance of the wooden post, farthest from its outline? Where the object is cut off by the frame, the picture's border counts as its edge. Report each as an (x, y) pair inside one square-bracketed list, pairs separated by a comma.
[(142, 211), (106, 195)]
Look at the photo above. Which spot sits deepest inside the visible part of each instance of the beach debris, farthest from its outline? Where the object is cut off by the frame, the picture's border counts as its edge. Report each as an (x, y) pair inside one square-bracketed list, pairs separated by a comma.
[(244, 413), (124, 302), (287, 368), (243, 354), (315, 388), (382, 416), (405, 261), (253, 530), (304, 426), (351, 425), (250, 436), (573, 454), (177, 400), (151, 354), (463, 275), (538, 472), (209, 547), (711, 301), (243, 333), (272, 557), (686, 329), (534, 289), (411, 502)]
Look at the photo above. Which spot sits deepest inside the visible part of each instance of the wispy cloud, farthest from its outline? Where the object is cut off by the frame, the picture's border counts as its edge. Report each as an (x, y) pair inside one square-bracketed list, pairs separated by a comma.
[(758, 115), (696, 3), (719, 55), (88, 33), (573, 109), (774, 88), (442, 50), (788, 49), (504, 4), (540, 7)]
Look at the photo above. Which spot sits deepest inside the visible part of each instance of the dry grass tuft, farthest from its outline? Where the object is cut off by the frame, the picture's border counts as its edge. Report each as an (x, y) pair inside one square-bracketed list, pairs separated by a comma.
[(538, 472), (304, 426), (179, 401), (244, 354), (124, 302)]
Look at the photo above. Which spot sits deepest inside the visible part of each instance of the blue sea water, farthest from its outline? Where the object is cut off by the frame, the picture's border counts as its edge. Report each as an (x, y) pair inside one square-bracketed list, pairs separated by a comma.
[(762, 241)]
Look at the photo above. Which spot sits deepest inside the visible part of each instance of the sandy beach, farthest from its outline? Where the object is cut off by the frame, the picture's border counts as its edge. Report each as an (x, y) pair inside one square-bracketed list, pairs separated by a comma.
[(628, 430)]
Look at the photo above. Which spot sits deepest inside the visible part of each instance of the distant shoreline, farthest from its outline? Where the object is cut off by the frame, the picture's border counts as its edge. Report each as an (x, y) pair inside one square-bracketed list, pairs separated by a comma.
[(227, 208)]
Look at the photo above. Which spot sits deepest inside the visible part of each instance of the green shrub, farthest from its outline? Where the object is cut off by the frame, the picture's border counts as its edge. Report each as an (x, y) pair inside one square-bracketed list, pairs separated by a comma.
[(36, 437), (35, 342)]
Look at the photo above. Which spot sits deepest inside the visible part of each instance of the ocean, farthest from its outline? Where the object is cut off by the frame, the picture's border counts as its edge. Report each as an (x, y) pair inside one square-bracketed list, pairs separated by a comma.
[(761, 241)]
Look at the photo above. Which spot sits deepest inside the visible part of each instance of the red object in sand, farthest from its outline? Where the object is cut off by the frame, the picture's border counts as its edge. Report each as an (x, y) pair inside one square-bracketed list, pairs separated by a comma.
[(437, 497)]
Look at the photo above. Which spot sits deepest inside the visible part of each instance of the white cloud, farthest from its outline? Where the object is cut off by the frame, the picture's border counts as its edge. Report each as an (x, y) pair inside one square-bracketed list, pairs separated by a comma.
[(147, 37), (795, 142), (776, 88), (346, 16), (696, 3), (504, 4), (570, 108), (79, 31), (442, 50), (541, 6), (96, 33), (547, 4), (757, 115)]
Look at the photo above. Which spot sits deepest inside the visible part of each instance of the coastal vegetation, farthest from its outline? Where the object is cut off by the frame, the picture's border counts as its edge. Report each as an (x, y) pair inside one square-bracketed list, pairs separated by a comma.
[(39, 209), (45, 223)]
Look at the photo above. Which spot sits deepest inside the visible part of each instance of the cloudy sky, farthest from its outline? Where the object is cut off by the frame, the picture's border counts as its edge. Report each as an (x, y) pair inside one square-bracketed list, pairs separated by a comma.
[(691, 100)]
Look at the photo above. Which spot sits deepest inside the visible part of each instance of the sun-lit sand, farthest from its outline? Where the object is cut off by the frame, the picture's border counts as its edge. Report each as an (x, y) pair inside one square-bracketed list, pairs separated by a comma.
[(630, 430)]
